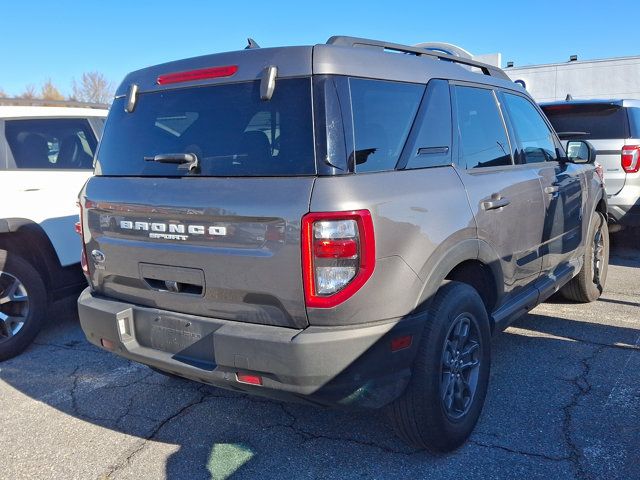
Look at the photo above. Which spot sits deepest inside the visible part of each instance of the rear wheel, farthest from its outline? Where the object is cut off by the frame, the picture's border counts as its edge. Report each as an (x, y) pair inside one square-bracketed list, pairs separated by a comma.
[(588, 285), (22, 304), (444, 398)]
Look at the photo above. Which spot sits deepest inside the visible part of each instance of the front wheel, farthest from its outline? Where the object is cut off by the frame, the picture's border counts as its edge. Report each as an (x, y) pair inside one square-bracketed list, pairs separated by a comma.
[(22, 304), (589, 284), (442, 403)]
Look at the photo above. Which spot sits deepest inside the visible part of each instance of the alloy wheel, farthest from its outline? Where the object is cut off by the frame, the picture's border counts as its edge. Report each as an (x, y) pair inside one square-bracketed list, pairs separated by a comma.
[(14, 305), (460, 366)]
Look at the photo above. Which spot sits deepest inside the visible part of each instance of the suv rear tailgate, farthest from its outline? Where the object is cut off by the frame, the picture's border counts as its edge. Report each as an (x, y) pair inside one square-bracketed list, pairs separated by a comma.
[(225, 248)]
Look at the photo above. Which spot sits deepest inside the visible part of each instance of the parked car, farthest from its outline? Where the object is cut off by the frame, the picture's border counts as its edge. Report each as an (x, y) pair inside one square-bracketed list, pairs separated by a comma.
[(46, 155), (613, 127), (334, 225)]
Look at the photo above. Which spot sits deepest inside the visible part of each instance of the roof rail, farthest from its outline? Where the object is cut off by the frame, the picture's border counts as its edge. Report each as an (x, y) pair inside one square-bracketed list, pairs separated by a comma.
[(396, 47), (36, 102)]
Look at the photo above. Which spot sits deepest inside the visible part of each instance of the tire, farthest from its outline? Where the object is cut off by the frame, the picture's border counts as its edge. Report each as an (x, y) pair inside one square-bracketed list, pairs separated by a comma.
[(589, 284), (420, 416), (23, 303)]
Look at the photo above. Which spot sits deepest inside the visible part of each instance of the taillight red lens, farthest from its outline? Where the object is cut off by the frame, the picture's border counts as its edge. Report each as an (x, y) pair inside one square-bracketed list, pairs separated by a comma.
[(631, 158), (200, 74), (338, 255), (80, 231)]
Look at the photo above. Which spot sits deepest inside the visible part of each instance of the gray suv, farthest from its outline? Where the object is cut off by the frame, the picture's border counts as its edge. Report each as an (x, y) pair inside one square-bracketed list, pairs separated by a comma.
[(334, 224), (613, 128)]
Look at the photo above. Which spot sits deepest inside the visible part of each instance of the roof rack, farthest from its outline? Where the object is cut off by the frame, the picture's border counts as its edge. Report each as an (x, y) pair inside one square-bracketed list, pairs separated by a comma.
[(35, 102), (396, 47)]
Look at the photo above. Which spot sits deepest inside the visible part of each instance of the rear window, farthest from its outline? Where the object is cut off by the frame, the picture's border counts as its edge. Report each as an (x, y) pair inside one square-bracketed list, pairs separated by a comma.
[(228, 127), (596, 121)]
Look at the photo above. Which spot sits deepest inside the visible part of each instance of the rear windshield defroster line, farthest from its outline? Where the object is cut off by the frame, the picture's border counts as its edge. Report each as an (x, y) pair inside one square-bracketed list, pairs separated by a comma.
[(231, 131)]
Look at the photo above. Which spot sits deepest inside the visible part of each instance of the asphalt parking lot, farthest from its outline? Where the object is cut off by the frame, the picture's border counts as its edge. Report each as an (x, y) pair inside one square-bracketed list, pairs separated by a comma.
[(564, 402)]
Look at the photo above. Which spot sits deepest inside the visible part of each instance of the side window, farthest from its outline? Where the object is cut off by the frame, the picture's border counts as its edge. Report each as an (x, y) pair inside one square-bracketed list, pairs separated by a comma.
[(431, 146), (61, 143), (383, 113), (483, 138), (534, 137), (634, 121)]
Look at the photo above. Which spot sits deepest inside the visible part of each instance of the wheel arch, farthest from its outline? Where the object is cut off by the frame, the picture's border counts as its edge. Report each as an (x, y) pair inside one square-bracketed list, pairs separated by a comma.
[(471, 261), (27, 239)]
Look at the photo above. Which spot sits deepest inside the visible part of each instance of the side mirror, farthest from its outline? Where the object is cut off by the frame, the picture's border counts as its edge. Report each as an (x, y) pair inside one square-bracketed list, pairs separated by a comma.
[(581, 151)]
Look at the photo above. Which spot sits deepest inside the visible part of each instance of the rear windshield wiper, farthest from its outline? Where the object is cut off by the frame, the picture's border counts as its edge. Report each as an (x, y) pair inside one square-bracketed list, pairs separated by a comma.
[(191, 159), (572, 134)]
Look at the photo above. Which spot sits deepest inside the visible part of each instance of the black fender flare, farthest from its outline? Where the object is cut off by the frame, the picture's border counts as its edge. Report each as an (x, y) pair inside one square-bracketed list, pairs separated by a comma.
[(449, 258)]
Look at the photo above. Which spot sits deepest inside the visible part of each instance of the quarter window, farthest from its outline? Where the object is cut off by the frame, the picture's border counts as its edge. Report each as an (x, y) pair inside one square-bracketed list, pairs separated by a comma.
[(432, 144), (383, 113), (483, 138), (535, 139)]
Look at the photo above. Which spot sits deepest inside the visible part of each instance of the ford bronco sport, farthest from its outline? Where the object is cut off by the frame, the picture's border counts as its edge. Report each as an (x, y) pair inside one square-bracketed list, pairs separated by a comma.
[(46, 156), (334, 224)]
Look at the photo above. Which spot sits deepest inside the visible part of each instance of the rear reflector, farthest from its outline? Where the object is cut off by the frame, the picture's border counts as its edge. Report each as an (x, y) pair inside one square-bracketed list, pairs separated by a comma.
[(250, 379), (108, 344), (201, 74), (631, 158), (400, 343)]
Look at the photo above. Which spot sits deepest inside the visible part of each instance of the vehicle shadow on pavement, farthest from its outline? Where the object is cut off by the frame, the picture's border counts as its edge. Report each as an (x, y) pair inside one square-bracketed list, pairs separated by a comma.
[(537, 417)]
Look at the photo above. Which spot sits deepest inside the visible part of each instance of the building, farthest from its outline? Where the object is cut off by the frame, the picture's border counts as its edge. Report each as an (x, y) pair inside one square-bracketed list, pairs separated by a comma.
[(608, 78)]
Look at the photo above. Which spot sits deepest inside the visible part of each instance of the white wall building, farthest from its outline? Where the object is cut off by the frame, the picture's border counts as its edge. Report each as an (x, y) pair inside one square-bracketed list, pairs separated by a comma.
[(609, 78)]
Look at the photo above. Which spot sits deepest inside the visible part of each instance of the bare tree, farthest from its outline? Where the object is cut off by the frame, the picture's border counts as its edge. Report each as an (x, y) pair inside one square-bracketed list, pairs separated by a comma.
[(29, 92), (93, 87), (3, 94), (50, 92)]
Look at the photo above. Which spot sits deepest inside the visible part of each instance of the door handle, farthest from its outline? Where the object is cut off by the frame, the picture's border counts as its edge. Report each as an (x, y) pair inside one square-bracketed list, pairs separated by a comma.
[(496, 202), (552, 189)]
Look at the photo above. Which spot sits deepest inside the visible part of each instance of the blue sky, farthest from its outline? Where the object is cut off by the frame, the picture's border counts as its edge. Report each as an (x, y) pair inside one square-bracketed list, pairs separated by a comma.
[(60, 40)]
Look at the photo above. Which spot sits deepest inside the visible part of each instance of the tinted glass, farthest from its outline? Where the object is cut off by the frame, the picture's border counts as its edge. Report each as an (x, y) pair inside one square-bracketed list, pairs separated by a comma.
[(383, 113), (634, 121), (56, 143), (228, 127), (535, 139), (483, 139), (595, 121), (432, 144)]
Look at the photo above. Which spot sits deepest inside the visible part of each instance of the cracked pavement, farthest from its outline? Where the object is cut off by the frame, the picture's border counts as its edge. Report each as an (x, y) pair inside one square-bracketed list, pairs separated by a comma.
[(563, 402)]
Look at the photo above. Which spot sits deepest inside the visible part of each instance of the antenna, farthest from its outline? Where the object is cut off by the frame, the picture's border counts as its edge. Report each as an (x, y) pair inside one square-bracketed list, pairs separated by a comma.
[(251, 44)]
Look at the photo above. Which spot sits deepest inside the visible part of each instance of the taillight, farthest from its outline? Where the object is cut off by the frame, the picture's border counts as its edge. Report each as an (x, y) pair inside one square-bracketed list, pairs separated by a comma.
[(338, 255), (200, 74), (79, 230), (631, 158)]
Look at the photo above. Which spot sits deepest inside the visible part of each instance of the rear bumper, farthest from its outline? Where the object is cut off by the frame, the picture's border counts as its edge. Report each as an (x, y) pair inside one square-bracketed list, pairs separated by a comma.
[(624, 208), (326, 365)]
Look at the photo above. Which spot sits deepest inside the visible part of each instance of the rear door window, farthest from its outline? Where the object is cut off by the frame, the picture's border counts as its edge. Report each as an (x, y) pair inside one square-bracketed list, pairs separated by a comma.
[(52, 143), (383, 113), (481, 130), (588, 121), (228, 127), (533, 135)]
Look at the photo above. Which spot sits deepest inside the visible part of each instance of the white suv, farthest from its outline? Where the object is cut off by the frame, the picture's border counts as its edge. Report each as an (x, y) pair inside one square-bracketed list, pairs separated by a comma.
[(46, 156)]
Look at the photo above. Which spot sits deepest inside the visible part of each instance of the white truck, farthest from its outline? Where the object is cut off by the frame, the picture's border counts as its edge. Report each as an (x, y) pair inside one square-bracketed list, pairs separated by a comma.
[(46, 156)]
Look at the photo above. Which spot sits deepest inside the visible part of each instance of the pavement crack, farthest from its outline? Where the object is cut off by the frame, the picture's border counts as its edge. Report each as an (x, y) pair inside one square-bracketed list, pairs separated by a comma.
[(129, 456), (521, 452), (582, 389)]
